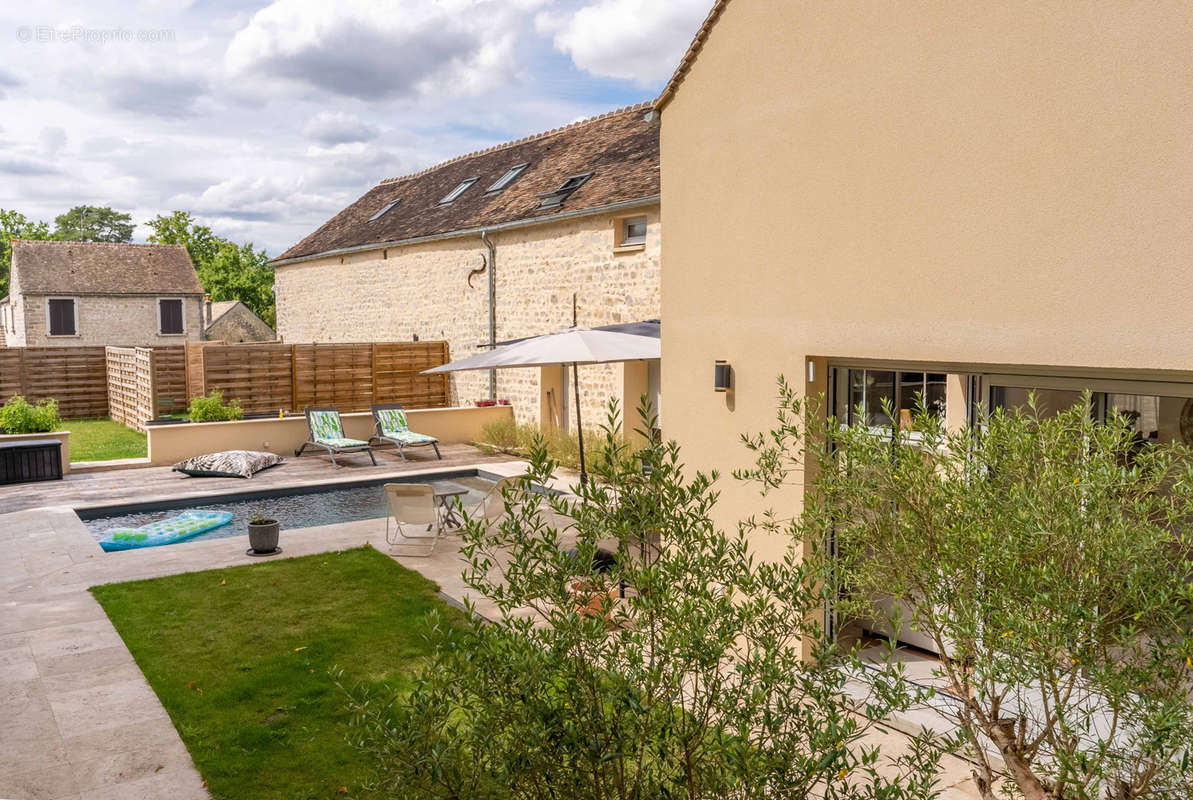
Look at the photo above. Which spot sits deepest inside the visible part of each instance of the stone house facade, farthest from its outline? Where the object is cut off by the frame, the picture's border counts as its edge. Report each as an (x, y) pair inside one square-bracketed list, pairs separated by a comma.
[(233, 321), (64, 294), (429, 279)]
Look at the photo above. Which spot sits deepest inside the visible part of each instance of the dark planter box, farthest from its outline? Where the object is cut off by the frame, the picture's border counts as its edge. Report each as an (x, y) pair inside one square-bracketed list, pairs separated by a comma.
[(168, 421), (30, 460)]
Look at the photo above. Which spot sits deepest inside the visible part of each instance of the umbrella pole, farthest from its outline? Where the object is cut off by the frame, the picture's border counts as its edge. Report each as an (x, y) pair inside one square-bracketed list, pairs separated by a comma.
[(579, 424)]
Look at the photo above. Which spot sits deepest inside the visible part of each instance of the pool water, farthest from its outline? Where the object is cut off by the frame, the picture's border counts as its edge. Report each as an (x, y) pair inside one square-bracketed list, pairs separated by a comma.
[(306, 510)]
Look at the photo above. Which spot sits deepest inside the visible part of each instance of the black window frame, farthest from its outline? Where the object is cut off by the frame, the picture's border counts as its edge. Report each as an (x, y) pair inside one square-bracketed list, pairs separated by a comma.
[(570, 184)]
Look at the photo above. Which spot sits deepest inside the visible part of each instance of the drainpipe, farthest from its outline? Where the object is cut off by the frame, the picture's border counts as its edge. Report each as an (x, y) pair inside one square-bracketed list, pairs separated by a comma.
[(492, 307)]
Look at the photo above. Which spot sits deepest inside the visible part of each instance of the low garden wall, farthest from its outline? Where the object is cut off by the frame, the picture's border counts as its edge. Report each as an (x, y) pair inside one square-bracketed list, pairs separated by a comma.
[(62, 436), (169, 444)]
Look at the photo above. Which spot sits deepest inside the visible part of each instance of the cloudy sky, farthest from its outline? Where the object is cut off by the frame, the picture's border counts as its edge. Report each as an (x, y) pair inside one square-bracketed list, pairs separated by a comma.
[(265, 118)]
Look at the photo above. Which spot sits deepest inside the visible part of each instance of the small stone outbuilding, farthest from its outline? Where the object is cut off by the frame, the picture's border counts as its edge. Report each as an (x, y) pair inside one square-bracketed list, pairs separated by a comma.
[(100, 293), (233, 321)]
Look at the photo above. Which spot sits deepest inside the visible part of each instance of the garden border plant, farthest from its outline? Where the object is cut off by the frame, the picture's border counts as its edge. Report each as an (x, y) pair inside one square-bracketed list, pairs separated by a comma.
[(212, 408), (18, 415)]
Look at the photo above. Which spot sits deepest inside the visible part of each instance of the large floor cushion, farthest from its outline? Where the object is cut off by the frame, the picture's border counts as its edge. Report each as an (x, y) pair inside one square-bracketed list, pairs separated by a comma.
[(228, 464)]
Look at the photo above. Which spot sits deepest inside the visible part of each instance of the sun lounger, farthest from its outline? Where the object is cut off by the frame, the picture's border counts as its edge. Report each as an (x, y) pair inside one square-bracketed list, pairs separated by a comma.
[(327, 432), (390, 420)]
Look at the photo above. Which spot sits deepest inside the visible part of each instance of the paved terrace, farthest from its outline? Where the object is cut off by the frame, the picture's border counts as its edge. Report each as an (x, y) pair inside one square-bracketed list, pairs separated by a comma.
[(76, 714)]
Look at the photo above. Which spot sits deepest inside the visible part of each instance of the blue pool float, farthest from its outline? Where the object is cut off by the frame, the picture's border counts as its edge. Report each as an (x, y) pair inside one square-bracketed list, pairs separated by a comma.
[(166, 531)]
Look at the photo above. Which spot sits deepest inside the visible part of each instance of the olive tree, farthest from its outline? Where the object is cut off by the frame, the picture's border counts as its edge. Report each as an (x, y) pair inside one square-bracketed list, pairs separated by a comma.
[(673, 665), (1047, 558)]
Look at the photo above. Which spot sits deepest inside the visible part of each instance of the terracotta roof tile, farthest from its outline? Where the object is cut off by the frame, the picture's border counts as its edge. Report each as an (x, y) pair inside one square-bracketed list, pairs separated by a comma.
[(103, 268), (689, 57), (620, 149)]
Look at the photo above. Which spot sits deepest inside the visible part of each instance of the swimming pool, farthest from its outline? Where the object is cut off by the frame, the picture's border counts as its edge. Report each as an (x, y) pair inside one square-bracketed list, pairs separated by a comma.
[(298, 507)]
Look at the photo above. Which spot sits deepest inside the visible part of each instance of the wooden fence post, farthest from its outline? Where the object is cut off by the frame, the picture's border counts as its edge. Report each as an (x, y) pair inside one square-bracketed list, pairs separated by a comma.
[(294, 378), (153, 403)]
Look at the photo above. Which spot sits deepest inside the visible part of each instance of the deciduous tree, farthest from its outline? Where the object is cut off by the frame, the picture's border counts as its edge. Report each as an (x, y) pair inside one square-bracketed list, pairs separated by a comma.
[(15, 225), (227, 271), (93, 224)]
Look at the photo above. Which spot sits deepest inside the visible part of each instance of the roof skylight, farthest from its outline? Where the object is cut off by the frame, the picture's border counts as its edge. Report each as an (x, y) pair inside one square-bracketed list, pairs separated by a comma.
[(456, 192), (508, 178), (557, 196), (381, 212)]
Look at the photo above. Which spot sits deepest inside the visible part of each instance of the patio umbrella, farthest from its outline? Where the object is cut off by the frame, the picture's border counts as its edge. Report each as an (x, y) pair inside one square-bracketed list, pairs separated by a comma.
[(574, 346)]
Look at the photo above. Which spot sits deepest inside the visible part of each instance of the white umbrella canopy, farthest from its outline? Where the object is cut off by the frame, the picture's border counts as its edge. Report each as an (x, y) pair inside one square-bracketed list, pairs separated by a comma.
[(568, 346), (577, 345)]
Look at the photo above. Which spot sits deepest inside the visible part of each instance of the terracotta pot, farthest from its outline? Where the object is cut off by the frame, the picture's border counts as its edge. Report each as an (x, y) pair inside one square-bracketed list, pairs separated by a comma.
[(589, 599)]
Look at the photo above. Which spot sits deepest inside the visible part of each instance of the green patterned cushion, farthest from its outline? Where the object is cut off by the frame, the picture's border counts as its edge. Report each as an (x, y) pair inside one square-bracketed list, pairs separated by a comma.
[(340, 441), (410, 437), (326, 425), (392, 419)]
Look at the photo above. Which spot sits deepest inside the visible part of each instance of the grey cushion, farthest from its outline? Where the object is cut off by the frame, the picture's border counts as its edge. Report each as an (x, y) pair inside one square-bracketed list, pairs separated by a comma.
[(228, 464)]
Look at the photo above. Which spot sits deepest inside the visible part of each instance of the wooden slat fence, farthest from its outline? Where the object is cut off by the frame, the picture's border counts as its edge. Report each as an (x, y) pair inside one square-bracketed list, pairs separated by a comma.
[(268, 377), (77, 377), (169, 380), (131, 393), (396, 378)]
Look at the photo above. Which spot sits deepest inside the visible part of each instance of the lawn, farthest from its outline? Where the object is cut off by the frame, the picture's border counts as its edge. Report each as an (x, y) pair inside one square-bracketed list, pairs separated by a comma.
[(242, 660), (104, 440)]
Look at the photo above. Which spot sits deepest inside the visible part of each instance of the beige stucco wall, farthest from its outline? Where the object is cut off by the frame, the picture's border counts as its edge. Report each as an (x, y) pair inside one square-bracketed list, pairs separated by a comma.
[(169, 444), (1000, 183), (423, 290), (104, 320)]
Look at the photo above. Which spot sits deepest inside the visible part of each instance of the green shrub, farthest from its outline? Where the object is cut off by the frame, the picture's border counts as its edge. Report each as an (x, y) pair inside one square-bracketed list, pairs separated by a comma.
[(213, 409), (19, 416)]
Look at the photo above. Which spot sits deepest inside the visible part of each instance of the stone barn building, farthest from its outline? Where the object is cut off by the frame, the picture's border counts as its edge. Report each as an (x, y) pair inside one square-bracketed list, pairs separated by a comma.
[(492, 246)]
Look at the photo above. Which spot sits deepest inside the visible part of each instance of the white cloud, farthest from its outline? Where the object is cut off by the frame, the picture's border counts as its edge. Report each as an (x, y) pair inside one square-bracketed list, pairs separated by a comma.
[(53, 139), (377, 49), (636, 40), (264, 118), (336, 127)]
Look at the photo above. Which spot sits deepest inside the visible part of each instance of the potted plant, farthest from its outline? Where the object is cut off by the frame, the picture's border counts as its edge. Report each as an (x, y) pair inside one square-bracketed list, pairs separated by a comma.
[(591, 599), (263, 534)]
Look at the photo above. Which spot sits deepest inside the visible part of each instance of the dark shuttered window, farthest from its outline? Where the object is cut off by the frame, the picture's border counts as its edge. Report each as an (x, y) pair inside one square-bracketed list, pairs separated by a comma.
[(62, 317), (170, 314)]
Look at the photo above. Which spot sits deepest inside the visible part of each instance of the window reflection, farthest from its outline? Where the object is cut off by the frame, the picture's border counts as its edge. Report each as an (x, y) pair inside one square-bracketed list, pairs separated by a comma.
[(869, 389), (1155, 418)]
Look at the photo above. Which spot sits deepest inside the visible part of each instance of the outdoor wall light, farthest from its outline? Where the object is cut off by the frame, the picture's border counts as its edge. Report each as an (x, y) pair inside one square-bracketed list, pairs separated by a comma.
[(721, 376)]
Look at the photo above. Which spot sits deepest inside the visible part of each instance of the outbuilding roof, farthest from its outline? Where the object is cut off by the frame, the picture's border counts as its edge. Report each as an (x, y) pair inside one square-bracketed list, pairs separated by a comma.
[(603, 161), (72, 268)]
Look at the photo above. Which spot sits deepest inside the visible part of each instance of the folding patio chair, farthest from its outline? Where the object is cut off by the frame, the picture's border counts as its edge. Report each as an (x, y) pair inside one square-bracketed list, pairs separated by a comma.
[(415, 505)]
